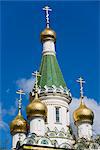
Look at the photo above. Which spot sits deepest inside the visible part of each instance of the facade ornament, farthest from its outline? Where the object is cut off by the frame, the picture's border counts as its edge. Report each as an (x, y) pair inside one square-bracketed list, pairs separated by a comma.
[(46, 89), (54, 88), (61, 89)]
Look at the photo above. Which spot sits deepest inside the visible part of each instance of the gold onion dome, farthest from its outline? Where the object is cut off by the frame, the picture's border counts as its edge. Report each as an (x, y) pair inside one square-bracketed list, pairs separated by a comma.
[(48, 34), (18, 125), (36, 108), (83, 114)]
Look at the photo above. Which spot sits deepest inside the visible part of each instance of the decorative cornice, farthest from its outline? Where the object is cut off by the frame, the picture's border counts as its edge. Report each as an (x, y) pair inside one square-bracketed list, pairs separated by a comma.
[(54, 91)]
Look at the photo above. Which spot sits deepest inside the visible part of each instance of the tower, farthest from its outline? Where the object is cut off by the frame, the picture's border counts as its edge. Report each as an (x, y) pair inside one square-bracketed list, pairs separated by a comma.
[(52, 87), (18, 126), (53, 92), (83, 116)]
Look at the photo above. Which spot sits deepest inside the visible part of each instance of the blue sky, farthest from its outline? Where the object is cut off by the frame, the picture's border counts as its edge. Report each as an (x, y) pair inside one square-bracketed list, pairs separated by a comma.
[(77, 46)]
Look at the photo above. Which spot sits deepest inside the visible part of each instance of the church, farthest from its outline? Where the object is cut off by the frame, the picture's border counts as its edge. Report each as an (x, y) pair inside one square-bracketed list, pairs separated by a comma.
[(48, 113)]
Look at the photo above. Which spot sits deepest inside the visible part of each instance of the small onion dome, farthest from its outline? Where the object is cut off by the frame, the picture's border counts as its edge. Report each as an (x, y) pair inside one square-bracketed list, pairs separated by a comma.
[(48, 34), (18, 125), (83, 114), (36, 108)]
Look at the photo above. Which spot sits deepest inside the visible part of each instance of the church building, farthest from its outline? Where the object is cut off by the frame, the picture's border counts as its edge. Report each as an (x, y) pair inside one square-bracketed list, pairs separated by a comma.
[(48, 113)]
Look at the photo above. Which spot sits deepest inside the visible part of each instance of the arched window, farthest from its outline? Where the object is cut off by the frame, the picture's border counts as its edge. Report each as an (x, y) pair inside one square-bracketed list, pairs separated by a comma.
[(44, 142), (57, 114), (46, 119)]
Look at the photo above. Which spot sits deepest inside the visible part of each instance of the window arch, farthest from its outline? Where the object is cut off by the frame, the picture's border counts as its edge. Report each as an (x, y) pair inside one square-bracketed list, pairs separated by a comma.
[(44, 142), (65, 145)]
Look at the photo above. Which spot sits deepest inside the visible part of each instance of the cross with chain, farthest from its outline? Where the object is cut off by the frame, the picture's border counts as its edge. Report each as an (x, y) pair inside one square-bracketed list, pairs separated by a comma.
[(81, 81), (20, 92), (36, 74), (47, 9)]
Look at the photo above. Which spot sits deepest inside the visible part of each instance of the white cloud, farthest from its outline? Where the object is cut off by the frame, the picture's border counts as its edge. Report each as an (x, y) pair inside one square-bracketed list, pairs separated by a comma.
[(94, 106), (26, 84), (8, 90), (4, 125), (11, 111)]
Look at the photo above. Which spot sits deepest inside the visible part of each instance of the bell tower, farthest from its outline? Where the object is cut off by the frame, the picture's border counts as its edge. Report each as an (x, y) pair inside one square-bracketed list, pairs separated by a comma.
[(52, 87)]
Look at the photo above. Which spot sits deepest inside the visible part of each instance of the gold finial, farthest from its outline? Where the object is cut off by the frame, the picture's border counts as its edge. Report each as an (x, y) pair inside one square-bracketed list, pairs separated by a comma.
[(81, 81), (20, 92), (36, 74), (47, 9)]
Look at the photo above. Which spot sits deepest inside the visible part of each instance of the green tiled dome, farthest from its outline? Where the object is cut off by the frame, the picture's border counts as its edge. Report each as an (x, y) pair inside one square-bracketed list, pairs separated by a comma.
[(50, 72)]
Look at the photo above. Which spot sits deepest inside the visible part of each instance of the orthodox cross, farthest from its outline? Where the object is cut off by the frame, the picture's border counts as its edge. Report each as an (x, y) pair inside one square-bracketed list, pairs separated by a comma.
[(81, 81), (47, 9), (20, 92), (36, 74)]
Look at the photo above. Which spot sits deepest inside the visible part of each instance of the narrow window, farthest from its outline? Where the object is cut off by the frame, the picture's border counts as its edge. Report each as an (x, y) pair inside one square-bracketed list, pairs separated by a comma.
[(46, 119), (57, 114)]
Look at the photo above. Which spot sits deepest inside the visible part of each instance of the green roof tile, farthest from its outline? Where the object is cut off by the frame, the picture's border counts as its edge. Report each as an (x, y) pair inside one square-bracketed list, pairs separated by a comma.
[(50, 72)]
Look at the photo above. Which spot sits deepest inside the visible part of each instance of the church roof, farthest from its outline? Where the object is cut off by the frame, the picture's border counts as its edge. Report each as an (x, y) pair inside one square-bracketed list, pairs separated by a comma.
[(50, 72)]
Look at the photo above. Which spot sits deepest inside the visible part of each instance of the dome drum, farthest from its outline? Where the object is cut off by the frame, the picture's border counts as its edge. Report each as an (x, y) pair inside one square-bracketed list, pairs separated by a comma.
[(82, 121)]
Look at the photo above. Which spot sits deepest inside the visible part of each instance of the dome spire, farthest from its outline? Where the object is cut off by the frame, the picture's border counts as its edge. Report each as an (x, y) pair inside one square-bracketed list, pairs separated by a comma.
[(20, 92), (47, 9), (81, 81), (19, 124), (83, 113), (36, 74)]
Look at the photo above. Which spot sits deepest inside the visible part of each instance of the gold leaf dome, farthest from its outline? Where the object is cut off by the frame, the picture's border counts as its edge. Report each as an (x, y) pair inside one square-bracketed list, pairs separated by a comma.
[(83, 114), (18, 125), (48, 34), (36, 108)]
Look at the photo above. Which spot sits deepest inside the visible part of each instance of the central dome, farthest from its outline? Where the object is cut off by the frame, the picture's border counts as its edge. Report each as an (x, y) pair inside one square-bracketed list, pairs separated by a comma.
[(48, 34), (36, 108)]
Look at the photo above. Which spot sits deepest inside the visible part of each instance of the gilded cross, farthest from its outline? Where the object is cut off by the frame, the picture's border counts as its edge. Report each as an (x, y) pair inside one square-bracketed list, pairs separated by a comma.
[(20, 92), (36, 74), (47, 9), (81, 81)]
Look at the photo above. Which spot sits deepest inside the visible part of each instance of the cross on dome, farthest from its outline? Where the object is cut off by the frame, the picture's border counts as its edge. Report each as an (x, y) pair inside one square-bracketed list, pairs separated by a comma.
[(36, 74), (20, 92), (47, 9), (81, 81)]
